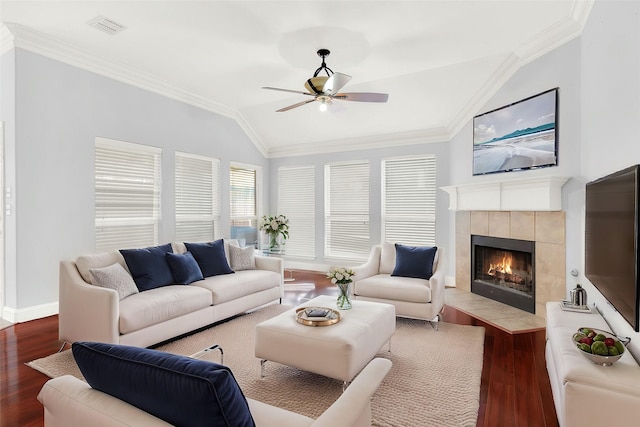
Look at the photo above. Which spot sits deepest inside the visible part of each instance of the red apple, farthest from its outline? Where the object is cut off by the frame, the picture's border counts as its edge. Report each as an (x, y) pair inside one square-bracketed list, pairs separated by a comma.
[(609, 342)]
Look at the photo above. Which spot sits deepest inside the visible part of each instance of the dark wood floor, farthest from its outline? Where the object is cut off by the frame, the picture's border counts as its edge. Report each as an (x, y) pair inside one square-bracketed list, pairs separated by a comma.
[(515, 388)]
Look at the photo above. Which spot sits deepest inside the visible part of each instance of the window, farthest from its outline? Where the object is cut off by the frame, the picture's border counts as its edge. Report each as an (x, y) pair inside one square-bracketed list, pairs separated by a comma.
[(243, 207), (347, 210), (127, 195), (297, 200), (409, 200), (197, 198)]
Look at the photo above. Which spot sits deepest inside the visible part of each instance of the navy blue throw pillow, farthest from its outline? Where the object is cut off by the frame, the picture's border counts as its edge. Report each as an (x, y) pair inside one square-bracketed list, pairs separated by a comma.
[(148, 266), (210, 257), (184, 267), (414, 261), (177, 389)]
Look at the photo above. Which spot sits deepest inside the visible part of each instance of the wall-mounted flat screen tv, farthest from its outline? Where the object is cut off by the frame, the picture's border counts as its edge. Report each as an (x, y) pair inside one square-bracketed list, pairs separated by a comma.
[(612, 238), (519, 136)]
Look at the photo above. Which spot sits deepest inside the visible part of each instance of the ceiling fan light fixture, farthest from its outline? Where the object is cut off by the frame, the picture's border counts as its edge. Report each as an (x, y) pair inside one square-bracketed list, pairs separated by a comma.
[(316, 84), (323, 106)]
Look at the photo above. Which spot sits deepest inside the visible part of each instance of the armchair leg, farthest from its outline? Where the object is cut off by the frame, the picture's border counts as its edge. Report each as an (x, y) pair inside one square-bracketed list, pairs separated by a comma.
[(435, 322)]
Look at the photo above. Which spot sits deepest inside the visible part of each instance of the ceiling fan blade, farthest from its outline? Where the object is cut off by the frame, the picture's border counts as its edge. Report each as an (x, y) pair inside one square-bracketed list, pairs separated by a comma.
[(362, 96), (299, 104), (336, 82), (299, 92)]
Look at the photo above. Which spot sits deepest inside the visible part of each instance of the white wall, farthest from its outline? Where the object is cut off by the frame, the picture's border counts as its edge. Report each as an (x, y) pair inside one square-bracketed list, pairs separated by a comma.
[(60, 109), (599, 124), (610, 117)]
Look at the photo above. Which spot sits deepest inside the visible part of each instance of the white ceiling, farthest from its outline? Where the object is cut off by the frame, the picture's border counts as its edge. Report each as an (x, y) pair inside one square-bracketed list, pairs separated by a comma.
[(439, 60)]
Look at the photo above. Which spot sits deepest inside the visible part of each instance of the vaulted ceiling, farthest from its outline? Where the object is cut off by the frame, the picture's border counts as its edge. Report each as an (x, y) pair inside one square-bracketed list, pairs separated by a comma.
[(439, 60)]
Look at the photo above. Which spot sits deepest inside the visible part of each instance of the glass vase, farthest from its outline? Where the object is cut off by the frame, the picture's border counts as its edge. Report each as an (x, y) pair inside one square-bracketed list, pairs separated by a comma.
[(344, 296)]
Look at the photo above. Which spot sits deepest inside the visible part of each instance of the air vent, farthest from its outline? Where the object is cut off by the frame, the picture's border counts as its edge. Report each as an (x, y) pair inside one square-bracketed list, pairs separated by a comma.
[(106, 25)]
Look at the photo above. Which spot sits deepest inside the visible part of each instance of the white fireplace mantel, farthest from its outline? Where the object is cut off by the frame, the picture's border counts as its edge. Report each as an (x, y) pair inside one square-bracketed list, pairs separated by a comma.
[(528, 194)]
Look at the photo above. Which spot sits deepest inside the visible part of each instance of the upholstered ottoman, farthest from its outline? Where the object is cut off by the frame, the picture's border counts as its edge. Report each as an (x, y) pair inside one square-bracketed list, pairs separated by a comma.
[(337, 351)]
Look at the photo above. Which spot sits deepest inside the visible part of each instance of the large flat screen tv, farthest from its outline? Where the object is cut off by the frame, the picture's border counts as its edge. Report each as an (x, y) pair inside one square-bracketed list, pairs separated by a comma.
[(611, 240), (518, 136)]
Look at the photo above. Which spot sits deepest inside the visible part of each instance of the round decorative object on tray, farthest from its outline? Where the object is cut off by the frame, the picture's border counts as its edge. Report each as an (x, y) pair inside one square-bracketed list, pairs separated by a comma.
[(600, 347), (317, 316)]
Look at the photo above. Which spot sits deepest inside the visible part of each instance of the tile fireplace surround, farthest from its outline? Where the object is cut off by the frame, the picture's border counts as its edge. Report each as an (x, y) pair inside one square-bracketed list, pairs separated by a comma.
[(545, 228)]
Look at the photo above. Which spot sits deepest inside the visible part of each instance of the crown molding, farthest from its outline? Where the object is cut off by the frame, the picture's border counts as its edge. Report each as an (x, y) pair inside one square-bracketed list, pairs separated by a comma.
[(245, 125), (425, 136), (36, 42), (7, 39)]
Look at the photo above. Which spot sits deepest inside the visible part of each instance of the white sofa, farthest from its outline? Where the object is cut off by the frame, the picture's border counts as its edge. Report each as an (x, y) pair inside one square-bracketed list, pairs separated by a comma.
[(413, 298), (584, 393), (92, 313), (70, 402)]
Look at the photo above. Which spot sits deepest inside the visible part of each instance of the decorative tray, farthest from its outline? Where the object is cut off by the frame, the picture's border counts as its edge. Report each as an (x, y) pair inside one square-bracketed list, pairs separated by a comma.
[(317, 316), (568, 306)]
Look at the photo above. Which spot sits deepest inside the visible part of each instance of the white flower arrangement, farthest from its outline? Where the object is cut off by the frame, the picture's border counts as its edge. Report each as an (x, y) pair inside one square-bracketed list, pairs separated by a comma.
[(275, 226), (340, 275)]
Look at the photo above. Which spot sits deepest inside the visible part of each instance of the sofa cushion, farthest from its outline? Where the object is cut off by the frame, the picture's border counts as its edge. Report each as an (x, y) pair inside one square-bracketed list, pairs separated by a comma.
[(114, 277), (387, 258), (184, 268), (242, 258), (210, 257), (177, 389), (229, 287), (158, 305), (393, 288), (414, 261), (148, 266)]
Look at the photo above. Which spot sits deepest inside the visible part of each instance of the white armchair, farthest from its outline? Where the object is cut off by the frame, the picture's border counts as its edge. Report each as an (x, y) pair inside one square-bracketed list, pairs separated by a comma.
[(412, 297)]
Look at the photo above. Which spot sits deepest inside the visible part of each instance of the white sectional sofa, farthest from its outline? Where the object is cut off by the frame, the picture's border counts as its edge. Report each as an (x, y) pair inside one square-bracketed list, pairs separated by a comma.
[(584, 393), (92, 313)]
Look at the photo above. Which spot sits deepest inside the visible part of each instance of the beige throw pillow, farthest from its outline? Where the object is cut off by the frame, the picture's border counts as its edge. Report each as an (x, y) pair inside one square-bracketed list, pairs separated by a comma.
[(242, 258), (115, 277)]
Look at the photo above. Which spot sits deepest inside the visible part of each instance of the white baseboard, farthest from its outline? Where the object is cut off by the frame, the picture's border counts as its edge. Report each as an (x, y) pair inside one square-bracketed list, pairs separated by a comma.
[(18, 315), (450, 281)]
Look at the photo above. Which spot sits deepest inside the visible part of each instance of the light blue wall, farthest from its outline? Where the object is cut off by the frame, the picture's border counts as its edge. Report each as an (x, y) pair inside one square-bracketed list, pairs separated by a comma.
[(60, 109), (374, 156)]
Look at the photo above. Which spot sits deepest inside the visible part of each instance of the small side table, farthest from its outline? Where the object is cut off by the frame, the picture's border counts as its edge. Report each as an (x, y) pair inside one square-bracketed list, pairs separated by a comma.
[(279, 253)]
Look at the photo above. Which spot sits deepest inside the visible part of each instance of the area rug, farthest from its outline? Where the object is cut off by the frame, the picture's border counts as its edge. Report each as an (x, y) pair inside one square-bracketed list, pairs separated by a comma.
[(434, 381)]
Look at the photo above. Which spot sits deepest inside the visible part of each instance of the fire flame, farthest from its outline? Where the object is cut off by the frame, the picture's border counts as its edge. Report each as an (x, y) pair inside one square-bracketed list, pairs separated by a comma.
[(504, 267)]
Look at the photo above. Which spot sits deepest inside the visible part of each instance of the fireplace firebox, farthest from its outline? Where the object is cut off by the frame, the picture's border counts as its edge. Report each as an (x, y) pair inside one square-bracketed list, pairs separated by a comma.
[(504, 270)]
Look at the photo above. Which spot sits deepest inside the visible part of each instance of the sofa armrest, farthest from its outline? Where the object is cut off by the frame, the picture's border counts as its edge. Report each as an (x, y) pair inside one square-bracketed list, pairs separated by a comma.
[(86, 312), (369, 268), (353, 407), (274, 264), (70, 402), (436, 282)]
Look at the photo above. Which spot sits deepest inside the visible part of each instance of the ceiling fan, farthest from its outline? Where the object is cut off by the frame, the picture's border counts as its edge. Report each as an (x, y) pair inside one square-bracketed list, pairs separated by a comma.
[(325, 88)]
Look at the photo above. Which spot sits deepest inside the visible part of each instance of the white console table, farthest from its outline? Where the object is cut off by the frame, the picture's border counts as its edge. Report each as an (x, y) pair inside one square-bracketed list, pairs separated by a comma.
[(586, 394)]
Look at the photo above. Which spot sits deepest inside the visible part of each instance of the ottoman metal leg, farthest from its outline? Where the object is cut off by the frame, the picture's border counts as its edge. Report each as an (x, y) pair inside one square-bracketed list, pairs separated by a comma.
[(262, 371), (201, 353)]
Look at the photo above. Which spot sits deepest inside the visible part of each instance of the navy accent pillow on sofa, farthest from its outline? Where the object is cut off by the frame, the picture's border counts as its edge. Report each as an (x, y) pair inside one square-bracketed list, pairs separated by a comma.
[(148, 266), (177, 389), (184, 267), (210, 257), (414, 261)]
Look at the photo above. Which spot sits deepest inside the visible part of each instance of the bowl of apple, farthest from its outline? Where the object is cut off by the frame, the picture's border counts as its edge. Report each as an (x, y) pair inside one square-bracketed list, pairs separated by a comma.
[(600, 347)]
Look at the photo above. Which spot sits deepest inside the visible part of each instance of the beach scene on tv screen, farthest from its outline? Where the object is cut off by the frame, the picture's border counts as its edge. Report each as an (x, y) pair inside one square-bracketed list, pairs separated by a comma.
[(519, 136)]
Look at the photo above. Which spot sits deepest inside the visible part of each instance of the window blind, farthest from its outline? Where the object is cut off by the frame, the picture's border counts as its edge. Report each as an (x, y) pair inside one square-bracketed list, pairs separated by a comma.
[(127, 195), (409, 200), (297, 200), (347, 210), (197, 198), (243, 206)]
